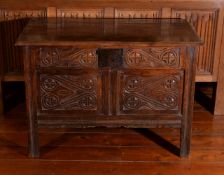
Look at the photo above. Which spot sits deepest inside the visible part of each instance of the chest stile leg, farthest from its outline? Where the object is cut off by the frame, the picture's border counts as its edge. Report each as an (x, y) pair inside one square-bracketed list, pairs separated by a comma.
[(30, 103), (186, 128)]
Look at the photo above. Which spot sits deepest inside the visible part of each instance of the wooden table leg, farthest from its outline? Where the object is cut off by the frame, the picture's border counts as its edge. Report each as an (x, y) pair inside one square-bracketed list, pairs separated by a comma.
[(185, 140), (33, 141)]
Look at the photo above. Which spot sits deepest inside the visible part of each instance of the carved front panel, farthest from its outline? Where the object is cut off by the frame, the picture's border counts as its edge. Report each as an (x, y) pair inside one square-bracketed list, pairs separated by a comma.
[(68, 57), (152, 58), (141, 13), (150, 92), (70, 92), (80, 13), (205, 24)]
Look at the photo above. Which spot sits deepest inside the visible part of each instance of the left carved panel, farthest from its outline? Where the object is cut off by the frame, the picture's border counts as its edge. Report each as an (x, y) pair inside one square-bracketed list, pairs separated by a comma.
[(68, 58), (70, 92), (12, 24)]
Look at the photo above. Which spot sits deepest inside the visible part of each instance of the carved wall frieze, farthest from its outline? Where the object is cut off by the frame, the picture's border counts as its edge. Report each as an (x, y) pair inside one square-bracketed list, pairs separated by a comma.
[(141, 13), (68, 57), (80, 13), (153, 57), (19, 14)]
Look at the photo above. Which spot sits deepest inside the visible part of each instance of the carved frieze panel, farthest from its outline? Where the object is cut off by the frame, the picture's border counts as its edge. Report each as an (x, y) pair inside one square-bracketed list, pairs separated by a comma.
[(80, 13), (152, 57), (68, 57), (145, 93), (138, 13), (19, 14), (69, 92), (205, 24)]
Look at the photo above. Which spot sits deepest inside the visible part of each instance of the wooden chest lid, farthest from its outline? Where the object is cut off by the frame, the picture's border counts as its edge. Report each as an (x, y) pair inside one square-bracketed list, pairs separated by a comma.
[(107, 33)]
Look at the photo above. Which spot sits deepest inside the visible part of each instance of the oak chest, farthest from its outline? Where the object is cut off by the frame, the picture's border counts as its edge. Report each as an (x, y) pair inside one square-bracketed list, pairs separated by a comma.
[(136, 73)]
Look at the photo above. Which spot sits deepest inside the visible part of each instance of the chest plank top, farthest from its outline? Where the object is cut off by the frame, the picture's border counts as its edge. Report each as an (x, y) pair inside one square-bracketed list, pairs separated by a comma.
[(136, 73), (107, 32)]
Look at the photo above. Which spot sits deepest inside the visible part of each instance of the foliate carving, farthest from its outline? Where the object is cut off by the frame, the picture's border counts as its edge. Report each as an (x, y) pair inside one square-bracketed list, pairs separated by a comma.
[(68, 57), (61, 92), (50, 101), (87, 102), (152, 57), (80, 13), (205, 24), (150, 93), (19, 14), (141, 13), (49, 84)]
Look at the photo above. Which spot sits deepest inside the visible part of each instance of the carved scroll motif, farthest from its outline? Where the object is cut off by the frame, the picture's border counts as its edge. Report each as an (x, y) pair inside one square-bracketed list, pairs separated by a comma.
[(151, 93), (153, 57), (69, 57), (205, 23), (61, 92)]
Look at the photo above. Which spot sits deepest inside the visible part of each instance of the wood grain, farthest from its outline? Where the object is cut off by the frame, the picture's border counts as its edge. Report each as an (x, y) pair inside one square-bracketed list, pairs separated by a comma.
[(111, 151), (206, 16), (90, 33), (67, 87), (1, 72)]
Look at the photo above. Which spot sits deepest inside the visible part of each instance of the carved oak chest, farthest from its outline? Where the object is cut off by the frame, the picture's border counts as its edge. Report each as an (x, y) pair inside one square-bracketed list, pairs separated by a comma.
[(136, 73)]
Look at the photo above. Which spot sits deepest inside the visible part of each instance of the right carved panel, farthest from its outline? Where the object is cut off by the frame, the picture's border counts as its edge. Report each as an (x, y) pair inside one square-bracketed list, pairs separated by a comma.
[(150, 92), (205, 24), (152, 58)]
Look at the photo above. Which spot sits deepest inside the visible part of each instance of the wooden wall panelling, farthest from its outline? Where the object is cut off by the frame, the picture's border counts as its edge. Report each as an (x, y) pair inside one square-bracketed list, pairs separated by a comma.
[(13, 24), (205, 22), (51, 12), (11, 58), (219, 103), (1, 72)]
